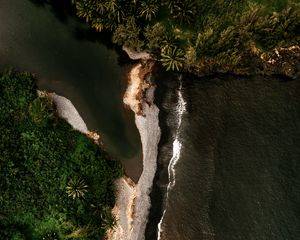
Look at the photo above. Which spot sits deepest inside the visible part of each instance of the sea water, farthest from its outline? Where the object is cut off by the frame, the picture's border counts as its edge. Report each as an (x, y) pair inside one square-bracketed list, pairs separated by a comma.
[(237, 176)]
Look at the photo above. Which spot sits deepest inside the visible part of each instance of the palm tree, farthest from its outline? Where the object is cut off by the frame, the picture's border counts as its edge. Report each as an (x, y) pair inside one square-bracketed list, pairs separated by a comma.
[(76, 188), (100, 7), (184, 11), (111, 5), (148, 9), (115, 10), (118, 14), (108, 220), (172, 58), (50, 236), (84, 10), (97, 209), (98, 24)]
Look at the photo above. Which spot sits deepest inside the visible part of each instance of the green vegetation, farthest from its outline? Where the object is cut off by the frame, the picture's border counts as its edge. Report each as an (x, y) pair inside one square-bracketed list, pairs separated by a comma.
[(52, 176), (214, 32), (172, 58)]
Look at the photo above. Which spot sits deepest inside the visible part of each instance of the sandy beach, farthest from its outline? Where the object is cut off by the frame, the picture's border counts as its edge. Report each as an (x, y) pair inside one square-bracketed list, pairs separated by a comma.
[(66, 110), (133, 201)]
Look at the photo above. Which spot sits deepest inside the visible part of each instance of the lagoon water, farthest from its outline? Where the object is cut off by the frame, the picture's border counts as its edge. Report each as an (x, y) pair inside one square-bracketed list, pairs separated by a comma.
[(237, 176), (66, 59)]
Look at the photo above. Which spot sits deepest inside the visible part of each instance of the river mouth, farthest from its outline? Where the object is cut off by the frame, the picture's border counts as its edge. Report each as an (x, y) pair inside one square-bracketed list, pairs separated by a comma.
[(63, 54)]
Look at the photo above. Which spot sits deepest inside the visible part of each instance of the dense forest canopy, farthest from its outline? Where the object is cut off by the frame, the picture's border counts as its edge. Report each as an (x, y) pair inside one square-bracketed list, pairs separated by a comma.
[(56, 183), (188, 33)]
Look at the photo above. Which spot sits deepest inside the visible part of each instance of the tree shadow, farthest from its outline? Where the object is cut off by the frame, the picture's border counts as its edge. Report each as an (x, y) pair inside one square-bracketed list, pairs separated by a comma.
[(123, 58), (39, 3), (83, 33), (15, 229), (62, 9)]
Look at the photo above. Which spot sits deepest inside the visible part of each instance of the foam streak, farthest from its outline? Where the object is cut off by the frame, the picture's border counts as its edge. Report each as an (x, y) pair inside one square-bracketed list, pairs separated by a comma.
[(180, 110)]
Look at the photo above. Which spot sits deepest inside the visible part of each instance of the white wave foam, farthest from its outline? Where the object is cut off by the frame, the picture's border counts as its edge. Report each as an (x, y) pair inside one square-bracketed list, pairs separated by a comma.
[(180, 106), (180, 110)]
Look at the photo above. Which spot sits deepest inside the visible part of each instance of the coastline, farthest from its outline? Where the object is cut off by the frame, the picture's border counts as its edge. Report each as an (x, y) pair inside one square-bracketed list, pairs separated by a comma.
[(279, 61), (283, 61), (133, 201), (56, 157), (66, 110)]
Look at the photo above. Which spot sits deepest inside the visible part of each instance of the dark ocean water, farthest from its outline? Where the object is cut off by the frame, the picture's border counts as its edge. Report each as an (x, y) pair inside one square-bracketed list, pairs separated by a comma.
[(238, 174)]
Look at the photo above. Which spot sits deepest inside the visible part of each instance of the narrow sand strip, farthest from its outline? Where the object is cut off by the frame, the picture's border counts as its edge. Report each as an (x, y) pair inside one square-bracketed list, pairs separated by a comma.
[(133, 202), (67, 111)]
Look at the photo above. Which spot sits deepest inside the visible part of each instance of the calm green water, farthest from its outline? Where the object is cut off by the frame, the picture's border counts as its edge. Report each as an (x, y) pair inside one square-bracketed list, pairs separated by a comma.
[(60, 51)]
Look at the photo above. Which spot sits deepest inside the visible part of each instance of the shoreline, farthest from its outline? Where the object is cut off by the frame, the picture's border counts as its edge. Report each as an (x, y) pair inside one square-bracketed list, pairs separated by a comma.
[(124, 185), (133, 201), (283, 61), (66, 110), (279, 61)]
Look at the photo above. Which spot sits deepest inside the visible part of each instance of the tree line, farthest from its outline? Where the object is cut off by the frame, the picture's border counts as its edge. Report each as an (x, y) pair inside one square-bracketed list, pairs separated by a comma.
[(185, 34)]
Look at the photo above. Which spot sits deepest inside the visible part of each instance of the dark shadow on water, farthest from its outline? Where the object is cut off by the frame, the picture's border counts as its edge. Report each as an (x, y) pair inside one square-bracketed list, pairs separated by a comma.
[(123, 59), (284, 78), (62, 9), (83, 33), (39, 3)]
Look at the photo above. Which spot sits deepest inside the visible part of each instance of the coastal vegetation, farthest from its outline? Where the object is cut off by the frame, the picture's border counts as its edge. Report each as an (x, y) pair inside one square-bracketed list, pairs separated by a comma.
[(197, 36), (56, 183)]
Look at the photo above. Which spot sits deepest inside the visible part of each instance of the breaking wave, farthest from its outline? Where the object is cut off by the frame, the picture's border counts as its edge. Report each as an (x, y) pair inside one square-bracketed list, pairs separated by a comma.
[(180, 110)]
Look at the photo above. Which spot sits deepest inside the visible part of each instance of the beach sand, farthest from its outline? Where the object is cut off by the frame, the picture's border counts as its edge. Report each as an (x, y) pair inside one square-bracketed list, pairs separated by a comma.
[(133, 201), (66, 110)]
